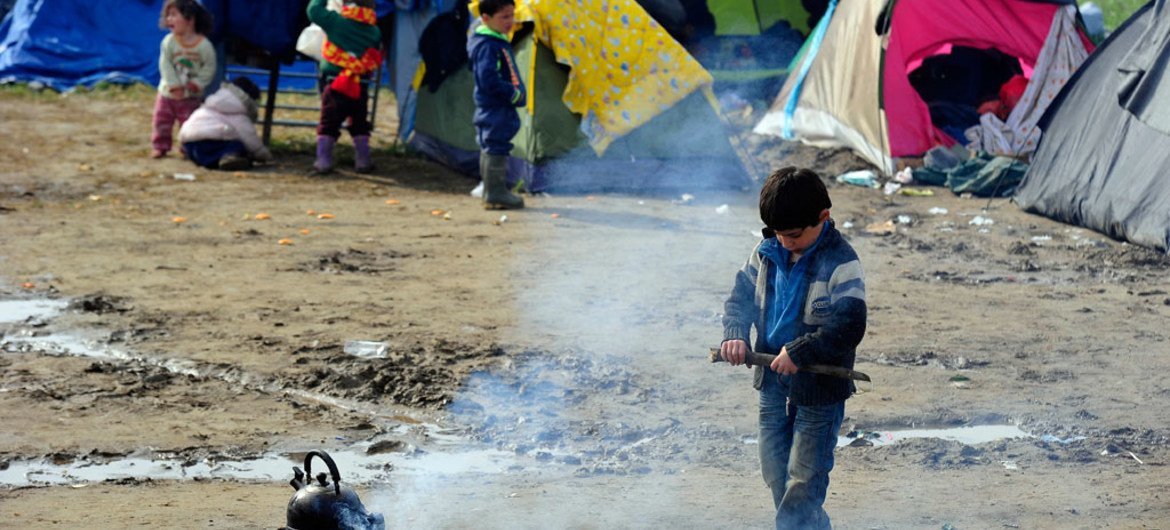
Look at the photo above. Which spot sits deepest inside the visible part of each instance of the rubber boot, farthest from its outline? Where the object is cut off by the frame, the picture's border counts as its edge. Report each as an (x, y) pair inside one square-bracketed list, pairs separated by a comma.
[(324, 162), (496, 195), (361, 154)]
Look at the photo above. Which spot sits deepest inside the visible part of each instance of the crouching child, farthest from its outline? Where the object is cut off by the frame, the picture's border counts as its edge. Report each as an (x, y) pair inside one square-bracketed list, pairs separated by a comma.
[(221, 134)]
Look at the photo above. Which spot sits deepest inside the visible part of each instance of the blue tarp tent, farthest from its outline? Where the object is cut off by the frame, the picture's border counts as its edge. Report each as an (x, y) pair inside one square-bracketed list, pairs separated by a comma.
[(66, 43)]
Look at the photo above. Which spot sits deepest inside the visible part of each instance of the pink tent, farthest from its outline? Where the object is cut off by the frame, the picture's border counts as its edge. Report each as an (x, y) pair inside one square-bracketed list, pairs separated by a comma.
[(852, 85)]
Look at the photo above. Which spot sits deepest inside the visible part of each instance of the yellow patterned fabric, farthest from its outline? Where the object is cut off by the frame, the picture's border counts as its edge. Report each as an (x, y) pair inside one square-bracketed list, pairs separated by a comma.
[(624, 68)]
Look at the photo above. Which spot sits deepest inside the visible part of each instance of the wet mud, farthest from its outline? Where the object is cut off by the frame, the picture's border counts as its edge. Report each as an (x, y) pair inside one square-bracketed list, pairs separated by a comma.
[(548, 371)]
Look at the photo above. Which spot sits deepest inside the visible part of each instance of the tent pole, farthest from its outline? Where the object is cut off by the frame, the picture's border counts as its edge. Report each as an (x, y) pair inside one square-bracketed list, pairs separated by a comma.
[(377, 88), (759, 19), (270, 105)]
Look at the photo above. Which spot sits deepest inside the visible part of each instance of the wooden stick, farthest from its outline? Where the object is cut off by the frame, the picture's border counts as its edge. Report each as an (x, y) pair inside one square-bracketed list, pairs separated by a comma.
[(765, 359)]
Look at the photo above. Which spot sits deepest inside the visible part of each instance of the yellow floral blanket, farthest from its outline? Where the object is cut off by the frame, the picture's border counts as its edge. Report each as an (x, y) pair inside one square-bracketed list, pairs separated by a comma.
[(625, 68)]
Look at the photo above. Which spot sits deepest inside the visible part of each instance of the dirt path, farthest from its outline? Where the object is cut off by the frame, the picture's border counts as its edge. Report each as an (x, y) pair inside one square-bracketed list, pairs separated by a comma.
[(543, 371)]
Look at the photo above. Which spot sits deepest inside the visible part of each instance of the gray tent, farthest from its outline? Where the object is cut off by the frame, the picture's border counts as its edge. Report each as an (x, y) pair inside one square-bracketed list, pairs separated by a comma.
[(1104, 158)]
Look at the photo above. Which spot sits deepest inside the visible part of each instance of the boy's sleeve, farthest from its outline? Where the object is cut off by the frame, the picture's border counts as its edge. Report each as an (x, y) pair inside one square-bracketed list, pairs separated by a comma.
[(740, 310), (166, 69), (519, 97), (207, 60), (320, 15), (493, 75), (846, 325)]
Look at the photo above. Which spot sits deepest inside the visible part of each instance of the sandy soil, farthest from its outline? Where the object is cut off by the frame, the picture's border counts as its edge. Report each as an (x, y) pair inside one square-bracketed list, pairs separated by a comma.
[(546, 371)]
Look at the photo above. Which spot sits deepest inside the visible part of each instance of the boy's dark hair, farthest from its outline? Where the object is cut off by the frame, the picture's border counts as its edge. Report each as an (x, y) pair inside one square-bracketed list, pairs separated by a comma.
[(491, 7), (362, 3), (192, 10), (249, 87), (793, 198)]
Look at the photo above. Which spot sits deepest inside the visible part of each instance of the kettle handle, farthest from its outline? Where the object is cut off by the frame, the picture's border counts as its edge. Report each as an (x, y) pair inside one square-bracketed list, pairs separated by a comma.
[(328, 462)]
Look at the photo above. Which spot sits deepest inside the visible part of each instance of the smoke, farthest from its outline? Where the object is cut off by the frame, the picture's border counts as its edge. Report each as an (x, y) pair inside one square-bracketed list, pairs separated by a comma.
[(351, 519), (610, 392)]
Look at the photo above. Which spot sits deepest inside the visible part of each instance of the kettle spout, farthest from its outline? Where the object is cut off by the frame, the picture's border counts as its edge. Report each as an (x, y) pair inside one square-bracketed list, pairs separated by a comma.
[(298, 479)]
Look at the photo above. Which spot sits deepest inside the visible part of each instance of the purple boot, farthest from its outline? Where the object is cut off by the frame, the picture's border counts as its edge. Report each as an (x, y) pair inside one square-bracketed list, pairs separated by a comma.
[(361, 154), (324, 162)]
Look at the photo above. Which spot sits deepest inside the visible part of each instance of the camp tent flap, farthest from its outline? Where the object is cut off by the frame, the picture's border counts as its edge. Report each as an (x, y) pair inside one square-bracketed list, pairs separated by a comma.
[(1098, 165)]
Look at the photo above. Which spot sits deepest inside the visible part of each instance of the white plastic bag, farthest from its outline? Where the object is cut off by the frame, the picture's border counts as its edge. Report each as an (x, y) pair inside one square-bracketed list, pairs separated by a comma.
[(310, 41), (312, 38)]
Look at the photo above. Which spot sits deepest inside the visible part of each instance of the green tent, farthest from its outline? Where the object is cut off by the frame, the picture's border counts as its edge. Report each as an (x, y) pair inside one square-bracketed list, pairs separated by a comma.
[(685, 147), (752, 17), (751, 44)]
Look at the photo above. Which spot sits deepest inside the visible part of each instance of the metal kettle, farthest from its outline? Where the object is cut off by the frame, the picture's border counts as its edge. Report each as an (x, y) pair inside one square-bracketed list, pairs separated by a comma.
[(322, 505)]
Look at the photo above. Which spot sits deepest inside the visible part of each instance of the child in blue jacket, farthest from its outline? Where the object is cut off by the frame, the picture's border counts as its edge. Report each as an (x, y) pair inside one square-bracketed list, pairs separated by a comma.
[(804, 291), (498, 91)]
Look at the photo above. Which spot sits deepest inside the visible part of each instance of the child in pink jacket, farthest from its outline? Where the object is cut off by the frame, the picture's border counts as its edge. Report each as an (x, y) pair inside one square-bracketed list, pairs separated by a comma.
[(221, 134)]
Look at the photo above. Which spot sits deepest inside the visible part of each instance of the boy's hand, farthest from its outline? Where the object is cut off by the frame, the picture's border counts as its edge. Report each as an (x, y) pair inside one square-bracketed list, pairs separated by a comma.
[(784, 365), (176, 92), (734, 351), (192, 89)]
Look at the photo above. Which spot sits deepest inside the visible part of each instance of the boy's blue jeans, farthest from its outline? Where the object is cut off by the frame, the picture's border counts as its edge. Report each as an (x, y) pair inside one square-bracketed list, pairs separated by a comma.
[(796, 454)]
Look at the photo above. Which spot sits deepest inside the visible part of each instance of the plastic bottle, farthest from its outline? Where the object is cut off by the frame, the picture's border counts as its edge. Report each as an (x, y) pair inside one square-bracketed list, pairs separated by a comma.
[(365, 348), (862, 177)]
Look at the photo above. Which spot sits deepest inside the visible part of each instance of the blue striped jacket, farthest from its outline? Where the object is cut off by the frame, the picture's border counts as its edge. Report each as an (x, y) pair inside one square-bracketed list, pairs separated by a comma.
[(831, 326)]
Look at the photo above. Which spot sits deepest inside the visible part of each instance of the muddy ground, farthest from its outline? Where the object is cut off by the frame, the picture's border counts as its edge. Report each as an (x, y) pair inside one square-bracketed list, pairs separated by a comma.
[(543, 370)]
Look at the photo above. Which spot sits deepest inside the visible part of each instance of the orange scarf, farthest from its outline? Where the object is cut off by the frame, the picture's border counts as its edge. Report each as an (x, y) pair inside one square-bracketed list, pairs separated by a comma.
[(352, 67)]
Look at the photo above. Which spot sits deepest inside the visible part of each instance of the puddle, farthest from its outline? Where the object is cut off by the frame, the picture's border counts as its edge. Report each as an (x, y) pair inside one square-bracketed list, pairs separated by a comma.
[(446, 452), (78, 346), (20, 310), (969, 435), (453, 457), (355, 467)]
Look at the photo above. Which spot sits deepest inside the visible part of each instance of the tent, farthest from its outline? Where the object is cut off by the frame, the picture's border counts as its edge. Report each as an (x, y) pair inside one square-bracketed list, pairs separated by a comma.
[(1104, 160), (671, 134), (894, 78), (599, 117), (746, 45), (66, 43)]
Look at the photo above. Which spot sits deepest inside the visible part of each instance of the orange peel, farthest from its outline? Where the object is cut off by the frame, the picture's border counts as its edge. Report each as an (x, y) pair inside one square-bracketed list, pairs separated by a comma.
[(178, 219), (285, 241), (262, 217), (325, 216)]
